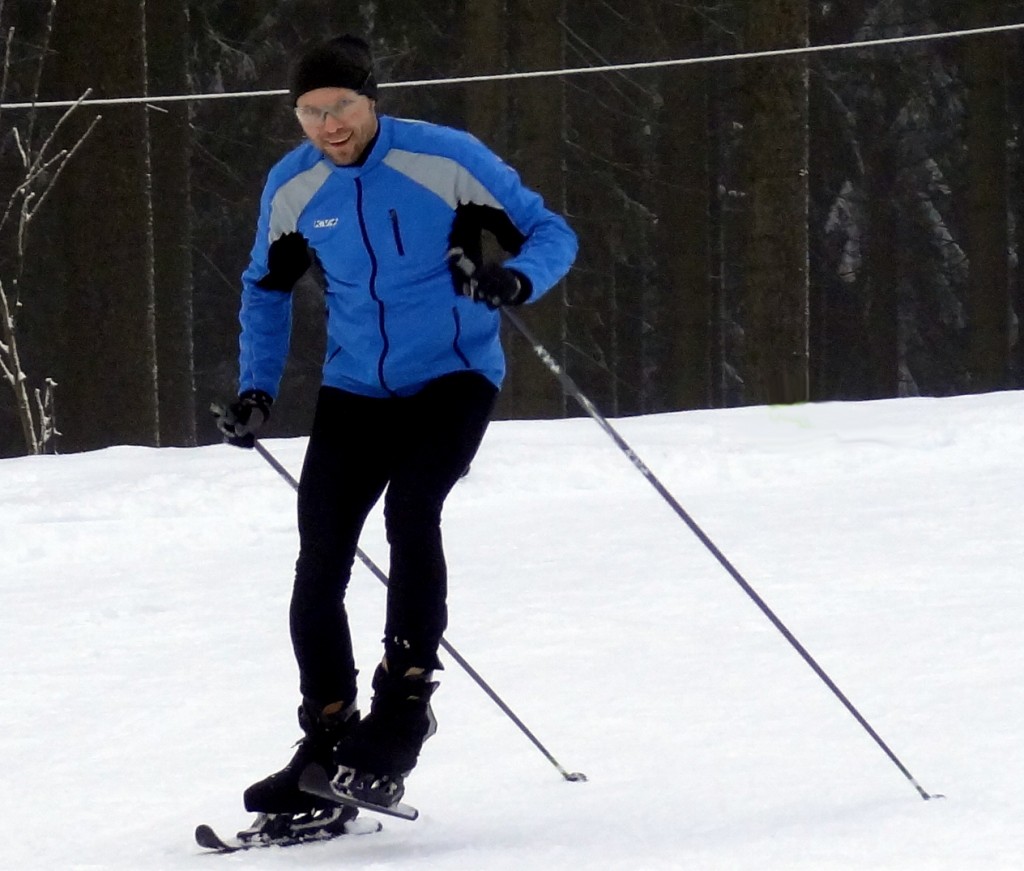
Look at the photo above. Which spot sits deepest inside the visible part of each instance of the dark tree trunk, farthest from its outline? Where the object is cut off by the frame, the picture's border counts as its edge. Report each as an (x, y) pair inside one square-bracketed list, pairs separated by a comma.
[(987, 228), (882, 272), (683, 229), (775, 271), (171, 143), (485, 28), (108, 384), (538, 153)]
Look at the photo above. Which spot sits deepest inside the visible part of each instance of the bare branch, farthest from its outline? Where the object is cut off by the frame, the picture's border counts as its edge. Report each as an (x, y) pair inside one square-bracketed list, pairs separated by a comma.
[(37, 165), (60, 123), (41, 166), (4, 75), (67, 156), (5, 346), (38, 169), (43, 52), (21, 146), (8, 346), (15, 376), (7, 210), (23, 220), (46, 409)]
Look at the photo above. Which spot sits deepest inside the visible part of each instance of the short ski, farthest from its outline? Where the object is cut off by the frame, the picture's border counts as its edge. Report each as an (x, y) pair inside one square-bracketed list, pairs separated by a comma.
[(207, 838), (210, 840), (315, 781)]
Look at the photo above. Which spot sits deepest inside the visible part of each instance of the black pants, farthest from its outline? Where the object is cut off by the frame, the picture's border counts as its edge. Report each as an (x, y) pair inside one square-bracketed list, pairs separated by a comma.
[(417, 447)]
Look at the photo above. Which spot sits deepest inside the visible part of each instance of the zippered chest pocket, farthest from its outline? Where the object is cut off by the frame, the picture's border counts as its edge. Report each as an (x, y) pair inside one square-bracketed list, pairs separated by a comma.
[(396, 229)]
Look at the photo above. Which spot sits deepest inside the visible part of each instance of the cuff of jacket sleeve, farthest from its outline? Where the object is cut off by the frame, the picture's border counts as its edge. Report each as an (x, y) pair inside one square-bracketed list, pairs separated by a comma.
[(525, 288)]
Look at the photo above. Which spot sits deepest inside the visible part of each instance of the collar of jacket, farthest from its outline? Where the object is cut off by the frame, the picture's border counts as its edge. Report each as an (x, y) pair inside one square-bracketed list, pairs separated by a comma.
[(381, 146)]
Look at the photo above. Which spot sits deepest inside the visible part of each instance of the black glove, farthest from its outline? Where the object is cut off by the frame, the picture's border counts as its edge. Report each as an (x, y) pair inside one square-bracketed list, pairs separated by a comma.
[(491, 284), (243, 418)]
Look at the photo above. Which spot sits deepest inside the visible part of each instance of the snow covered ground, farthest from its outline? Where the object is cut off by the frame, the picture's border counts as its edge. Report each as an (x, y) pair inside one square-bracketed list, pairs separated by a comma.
[(146, 673)]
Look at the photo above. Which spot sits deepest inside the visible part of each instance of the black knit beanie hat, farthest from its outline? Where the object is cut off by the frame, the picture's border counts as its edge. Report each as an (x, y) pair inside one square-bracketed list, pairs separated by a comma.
[(341, 62)]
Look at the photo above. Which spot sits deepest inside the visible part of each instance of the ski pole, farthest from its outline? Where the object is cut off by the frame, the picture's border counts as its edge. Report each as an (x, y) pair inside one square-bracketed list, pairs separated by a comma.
[(571, 776), (590, 409)]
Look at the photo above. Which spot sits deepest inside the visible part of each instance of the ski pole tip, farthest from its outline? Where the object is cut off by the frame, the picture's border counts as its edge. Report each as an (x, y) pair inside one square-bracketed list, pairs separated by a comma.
[(576, 777)]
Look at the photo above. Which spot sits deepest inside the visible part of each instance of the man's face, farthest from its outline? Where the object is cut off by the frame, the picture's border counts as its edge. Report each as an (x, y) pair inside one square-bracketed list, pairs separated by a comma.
[(338, 121)]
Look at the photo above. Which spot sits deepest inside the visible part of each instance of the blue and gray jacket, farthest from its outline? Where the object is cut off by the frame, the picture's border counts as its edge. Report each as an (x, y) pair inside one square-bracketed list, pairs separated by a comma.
[(380, 233)]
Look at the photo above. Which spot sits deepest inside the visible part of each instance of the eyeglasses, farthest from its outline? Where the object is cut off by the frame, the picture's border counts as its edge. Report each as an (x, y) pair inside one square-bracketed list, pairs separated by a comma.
[(316, 116)]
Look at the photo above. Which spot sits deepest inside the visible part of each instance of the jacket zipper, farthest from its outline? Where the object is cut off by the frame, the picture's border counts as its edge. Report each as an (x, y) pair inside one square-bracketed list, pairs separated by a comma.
[(373, 287), (398, 233)]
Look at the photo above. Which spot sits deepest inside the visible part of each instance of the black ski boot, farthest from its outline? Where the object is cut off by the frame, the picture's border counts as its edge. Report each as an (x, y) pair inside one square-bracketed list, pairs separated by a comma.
[(376, 756), (279, 795)]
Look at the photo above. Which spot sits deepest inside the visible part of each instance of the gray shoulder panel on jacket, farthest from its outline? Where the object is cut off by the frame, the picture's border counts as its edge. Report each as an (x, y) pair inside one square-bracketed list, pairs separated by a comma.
[(293, 196), (446, 178)]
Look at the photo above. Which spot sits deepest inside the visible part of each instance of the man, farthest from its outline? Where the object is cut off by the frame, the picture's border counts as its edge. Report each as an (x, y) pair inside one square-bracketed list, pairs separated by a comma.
[(392, 212)]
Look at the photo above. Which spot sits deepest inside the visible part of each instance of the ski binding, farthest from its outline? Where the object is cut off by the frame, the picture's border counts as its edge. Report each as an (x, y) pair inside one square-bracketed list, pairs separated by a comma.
[(207, 837), (316, 781)]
